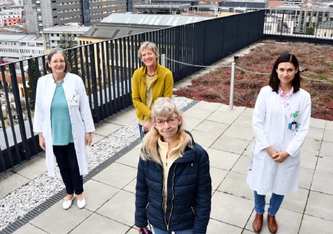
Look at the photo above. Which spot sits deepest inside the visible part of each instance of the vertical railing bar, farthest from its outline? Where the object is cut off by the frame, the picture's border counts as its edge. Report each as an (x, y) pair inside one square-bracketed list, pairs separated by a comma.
[(33, 138), (114, 99), (94, 81), (108, 51), (11, 116), (104, 80), (87, 57), (117, 75), (19, 114)]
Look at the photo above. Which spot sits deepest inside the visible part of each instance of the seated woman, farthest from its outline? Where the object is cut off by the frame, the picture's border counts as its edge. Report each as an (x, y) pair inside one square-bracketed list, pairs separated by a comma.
[(173, 191)]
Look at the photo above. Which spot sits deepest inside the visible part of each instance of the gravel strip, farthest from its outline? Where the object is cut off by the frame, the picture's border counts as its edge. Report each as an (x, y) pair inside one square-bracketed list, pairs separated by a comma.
[(24, 199)]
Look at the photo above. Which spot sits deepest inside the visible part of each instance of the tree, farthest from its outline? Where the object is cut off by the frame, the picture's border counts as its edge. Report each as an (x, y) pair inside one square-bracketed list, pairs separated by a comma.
[(310, 31), (32, 83), (67, 41)]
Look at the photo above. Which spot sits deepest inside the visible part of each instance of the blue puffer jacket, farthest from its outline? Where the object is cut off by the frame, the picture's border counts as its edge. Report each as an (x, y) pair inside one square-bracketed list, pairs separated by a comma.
[(188, 198)]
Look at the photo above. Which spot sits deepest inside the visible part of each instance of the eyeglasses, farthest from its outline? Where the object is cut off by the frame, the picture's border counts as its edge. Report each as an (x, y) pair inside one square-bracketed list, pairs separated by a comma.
[(56, 61), (169, 121)]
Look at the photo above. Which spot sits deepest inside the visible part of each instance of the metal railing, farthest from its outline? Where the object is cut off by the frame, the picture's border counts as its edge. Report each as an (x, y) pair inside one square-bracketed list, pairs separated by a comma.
[(106, 69)]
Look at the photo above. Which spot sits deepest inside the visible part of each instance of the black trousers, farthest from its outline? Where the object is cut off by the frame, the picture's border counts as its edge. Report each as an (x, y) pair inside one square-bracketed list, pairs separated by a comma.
[(69, 168)]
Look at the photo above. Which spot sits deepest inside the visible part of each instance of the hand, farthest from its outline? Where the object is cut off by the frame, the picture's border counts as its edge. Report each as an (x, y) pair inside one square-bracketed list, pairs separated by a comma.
[(280, 156), (271, 151), (139, 229), (88, 138), (41, 141), (146, 126)]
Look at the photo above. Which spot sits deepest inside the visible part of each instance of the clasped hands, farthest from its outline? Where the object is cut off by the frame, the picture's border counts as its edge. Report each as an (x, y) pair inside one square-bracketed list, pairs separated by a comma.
[(278, 157)]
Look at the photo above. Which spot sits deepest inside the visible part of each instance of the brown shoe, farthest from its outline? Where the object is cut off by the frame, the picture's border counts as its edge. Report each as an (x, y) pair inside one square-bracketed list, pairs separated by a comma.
[(257, 223), (272, 224)]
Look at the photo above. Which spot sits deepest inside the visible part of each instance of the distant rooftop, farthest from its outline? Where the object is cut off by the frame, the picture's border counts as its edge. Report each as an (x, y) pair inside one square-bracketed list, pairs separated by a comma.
[(19, 37), (151, 19), (124, 24), (66, 28)]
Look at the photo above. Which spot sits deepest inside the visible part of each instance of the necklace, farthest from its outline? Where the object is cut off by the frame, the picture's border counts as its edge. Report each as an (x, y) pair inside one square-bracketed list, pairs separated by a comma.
[(151, 75)]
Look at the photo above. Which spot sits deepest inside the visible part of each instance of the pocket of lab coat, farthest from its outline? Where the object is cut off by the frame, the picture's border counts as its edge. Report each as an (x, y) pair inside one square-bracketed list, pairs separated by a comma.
[(74, 101)]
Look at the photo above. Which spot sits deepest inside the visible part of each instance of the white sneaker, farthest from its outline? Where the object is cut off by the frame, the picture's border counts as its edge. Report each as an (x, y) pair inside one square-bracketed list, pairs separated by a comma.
[(81, 204), (67, 204)]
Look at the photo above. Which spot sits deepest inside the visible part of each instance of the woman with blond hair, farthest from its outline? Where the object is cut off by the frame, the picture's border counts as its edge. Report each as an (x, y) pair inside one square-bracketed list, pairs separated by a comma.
[(150, 82), (173, 191)]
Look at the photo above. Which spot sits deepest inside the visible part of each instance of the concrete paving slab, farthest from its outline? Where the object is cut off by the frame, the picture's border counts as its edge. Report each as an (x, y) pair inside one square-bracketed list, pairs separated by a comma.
[(191, 123), (317, 123), (123, 117), (131, 158), (99, 224), (97, 193), (242, 165), (305, 178), (33, 168), (222, 159), (235, 184), (120, 208), (326, 148), (56, 220), (217, 176), (296, 201), (243, 121), (237, 109), (215, 128), (218, 227), (311, 145), (131, 186), (329, 125), (328, 135), (117, 175), (231, 209), (322, 184), (239, 132), (223, 117), (230, 144), (311, 225), (320, 205), (197, 113), (325, 163), (315, 133), (29, 229), (205, 139), (308, 160), (12, 183), (212, 106), (96, 138), (288, 221), (105, 128), (248, 112)]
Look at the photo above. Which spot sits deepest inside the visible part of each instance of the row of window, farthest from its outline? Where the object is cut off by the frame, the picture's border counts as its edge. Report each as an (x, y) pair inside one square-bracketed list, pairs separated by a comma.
[(68, 3)]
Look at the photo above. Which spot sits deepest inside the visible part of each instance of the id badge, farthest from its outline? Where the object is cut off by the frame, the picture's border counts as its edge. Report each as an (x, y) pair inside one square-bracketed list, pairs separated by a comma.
[(293, 125)]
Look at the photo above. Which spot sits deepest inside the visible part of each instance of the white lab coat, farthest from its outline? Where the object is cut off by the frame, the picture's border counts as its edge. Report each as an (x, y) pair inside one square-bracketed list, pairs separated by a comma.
[(270, 125), (79, 111)]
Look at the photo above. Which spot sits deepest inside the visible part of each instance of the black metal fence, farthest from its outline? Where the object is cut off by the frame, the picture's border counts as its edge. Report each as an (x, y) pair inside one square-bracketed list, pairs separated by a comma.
[(106, 69)]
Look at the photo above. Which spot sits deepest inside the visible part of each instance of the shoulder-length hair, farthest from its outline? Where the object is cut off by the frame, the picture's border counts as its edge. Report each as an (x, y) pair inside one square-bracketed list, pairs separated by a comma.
[(49, 58), (148, 45), (274, 81), (163, 107)]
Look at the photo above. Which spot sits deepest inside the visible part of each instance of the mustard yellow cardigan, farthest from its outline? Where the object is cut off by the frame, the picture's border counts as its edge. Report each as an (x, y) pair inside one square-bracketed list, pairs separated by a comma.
[(162, 86)]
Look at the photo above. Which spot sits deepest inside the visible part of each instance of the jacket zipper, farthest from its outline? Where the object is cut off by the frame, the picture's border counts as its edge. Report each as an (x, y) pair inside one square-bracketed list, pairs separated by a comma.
[(172, 200)]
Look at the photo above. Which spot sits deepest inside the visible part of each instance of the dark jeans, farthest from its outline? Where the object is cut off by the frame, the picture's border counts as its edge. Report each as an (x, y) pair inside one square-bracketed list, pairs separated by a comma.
[(69, 168), (274, 203)]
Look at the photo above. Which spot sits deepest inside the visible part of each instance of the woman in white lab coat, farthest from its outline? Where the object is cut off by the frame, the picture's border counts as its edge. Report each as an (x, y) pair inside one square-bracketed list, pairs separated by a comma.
[(281, 120), (64, 124)]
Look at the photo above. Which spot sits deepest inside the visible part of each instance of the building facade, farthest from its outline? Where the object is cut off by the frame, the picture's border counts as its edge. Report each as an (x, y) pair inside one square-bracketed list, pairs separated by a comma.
[(43, 14)]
